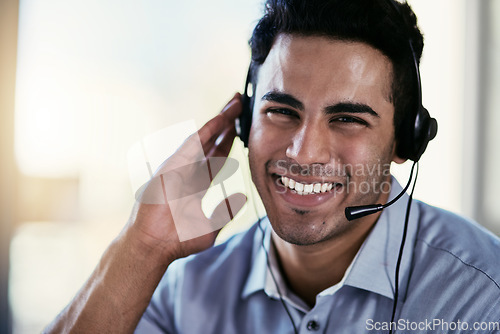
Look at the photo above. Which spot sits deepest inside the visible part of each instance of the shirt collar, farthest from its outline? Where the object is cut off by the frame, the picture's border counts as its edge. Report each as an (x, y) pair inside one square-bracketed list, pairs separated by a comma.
[(261, 275), (373, 267)]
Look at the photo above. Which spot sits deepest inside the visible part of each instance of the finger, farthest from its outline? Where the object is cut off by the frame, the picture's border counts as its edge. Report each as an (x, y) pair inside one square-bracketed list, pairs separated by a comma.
[(213, 128), (207, 135), (232, 113), (220, 124), (210, 144), (191, 222), (223, 144), (227, 210), (218, 154)]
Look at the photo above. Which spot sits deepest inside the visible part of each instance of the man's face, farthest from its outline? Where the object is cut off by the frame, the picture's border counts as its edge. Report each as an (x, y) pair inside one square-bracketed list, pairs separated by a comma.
[(323, 120)]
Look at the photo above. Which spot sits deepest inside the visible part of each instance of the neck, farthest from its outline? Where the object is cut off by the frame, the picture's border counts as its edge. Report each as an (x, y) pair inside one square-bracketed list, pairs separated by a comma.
[(311, 269)]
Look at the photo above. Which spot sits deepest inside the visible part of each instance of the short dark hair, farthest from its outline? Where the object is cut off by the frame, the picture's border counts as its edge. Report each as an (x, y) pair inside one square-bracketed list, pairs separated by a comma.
[(385, 26)]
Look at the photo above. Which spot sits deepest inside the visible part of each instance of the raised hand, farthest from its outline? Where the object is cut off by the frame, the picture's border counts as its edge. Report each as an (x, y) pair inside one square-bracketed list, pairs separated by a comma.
[(166, 217), (168, 213)]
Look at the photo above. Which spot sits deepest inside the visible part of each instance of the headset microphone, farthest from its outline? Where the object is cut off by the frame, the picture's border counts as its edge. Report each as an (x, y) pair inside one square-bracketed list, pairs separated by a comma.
[(355, 212)]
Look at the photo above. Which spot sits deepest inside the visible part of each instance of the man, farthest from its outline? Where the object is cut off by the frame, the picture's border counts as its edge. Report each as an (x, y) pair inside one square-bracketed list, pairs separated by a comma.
[(335, 82)]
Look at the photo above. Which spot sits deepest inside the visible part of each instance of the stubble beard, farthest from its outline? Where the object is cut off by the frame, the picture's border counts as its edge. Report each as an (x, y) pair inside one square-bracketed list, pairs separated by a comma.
[(305, 227)]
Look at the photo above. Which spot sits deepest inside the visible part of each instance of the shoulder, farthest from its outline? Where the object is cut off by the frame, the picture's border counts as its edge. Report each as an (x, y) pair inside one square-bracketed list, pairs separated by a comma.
[(456, 264), (462, 238)]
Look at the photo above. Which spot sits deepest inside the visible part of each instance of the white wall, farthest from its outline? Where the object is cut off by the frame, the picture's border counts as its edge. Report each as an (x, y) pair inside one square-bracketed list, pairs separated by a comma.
[(442, 70)]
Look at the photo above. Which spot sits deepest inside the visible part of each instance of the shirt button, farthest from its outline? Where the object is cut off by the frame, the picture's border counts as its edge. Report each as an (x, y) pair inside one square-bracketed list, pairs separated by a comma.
[(312, 325)]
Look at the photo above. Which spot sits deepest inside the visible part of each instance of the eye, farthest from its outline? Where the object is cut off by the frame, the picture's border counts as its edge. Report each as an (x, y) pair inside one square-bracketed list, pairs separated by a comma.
[(349, 120), (282, 116), (281, 112)]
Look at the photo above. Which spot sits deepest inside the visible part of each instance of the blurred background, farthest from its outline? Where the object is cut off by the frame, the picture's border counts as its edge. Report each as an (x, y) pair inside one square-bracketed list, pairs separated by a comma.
[(82, 82)]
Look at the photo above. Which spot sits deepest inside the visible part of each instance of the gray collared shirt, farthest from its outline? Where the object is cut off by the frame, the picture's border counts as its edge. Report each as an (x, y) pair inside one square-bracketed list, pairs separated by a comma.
[(449, 283)]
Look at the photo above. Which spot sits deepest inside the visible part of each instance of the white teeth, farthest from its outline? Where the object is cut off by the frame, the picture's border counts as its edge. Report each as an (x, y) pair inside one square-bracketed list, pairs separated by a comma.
[(306, 189), (299, 186), (286, 181)]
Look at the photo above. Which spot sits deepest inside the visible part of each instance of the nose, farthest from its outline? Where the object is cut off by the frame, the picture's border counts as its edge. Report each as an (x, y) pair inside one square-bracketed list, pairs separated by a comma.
[(310, 145)]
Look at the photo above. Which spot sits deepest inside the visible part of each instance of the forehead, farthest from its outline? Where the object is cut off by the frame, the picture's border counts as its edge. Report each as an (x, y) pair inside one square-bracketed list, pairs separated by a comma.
[(349, 68)]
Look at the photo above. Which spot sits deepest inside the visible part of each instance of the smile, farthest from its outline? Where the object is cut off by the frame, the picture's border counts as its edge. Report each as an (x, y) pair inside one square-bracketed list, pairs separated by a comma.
[(306, 188)]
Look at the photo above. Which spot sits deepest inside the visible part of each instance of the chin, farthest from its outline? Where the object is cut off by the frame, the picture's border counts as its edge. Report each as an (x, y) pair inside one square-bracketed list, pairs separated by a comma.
[(306, 231)]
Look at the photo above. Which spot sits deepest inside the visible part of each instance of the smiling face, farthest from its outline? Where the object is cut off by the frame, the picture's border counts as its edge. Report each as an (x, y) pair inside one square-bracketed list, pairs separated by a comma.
[(323, 125)]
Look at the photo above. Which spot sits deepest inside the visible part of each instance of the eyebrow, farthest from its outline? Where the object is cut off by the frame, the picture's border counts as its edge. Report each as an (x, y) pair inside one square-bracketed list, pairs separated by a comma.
[(341, 107), (283, 98), (351, 108)]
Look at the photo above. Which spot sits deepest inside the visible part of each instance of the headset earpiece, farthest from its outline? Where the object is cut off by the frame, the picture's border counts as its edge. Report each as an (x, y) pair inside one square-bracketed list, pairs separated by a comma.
[(244, 121), (415, 134), (425, 131)]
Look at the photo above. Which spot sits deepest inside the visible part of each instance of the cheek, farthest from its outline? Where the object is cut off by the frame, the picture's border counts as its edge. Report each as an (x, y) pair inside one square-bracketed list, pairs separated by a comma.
[(264, 136), (258, 152), (351, 149), (367, 150)]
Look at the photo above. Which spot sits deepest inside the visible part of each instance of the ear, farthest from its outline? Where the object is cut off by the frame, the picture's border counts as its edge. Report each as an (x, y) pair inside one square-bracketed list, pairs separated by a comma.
[(398, 160), (395, 157)]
